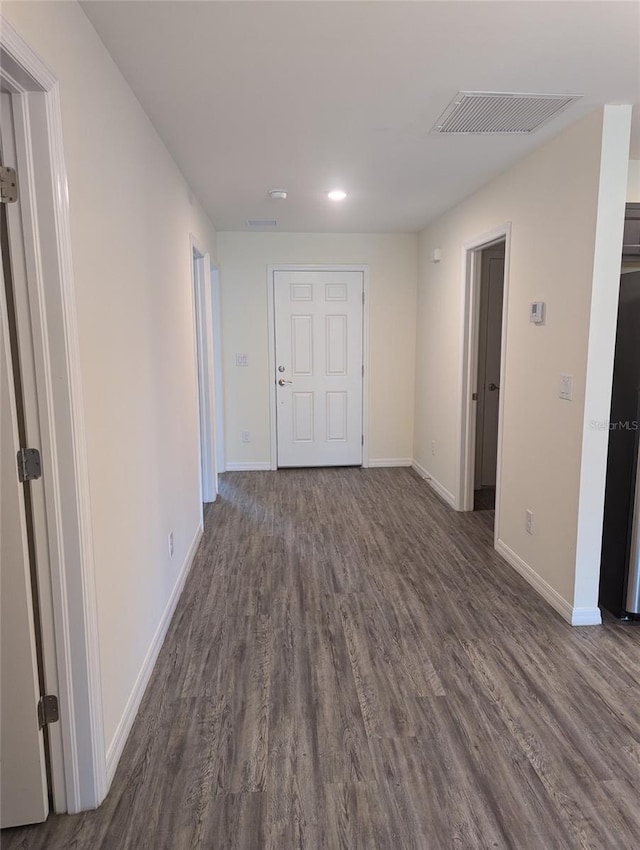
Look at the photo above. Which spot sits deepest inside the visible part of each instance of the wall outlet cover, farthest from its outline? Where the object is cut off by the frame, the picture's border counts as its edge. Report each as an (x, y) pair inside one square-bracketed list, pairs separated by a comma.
[(566, 387), (536, 312), (529, 521)]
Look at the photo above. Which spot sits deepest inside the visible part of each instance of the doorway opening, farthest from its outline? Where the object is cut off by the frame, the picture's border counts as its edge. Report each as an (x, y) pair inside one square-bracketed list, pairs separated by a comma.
[(485, 294), (205, 372), (217, 367), (26, 783), (620, 554), (489, 344)]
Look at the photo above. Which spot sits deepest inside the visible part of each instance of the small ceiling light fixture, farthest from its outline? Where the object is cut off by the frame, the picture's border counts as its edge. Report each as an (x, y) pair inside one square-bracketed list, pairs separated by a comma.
[(336, 195), (278, 194)]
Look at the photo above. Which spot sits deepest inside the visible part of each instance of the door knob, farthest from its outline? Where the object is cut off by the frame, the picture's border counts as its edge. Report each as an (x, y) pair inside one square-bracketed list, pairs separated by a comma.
[(493, 387), (282, 382)]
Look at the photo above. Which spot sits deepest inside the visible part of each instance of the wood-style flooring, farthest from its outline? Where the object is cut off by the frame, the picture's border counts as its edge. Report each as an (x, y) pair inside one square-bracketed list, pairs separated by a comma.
[(352, 667), (484, 499)]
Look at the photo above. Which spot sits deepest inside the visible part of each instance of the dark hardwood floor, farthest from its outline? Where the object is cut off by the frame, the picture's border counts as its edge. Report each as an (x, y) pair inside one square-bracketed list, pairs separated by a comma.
[(352, 667), (484, 499)]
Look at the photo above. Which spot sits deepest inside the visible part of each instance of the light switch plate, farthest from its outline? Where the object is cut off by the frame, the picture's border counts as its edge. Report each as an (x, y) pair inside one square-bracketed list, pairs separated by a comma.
[(242, 360), (566, 387)]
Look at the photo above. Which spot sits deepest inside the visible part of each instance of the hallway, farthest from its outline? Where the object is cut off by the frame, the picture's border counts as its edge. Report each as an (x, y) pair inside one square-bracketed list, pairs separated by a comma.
[(351, 665)]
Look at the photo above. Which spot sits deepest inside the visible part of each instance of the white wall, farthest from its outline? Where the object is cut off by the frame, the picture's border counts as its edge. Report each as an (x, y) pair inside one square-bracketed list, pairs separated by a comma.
[(552, 200), (392, 260), (131, 216), (633, 182)]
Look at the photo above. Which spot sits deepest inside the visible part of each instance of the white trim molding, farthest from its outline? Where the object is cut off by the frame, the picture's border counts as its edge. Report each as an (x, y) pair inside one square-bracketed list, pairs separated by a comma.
[(214, 275), (116, 747), (67, 493), (271, 324), (204, 372), (445, 494), (248, 466), (574, 616), (586, 617), (389, 462)]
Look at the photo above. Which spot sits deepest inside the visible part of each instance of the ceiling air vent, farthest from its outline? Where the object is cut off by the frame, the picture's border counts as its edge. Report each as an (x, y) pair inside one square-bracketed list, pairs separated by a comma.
[(478, 112), (262, 222)]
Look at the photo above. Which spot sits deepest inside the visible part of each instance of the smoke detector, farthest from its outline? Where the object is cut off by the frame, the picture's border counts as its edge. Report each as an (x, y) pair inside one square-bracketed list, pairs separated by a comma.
[(504, 113)]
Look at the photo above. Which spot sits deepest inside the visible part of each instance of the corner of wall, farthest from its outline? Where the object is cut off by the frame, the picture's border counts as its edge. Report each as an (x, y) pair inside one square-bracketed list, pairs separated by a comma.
[(612, 192)]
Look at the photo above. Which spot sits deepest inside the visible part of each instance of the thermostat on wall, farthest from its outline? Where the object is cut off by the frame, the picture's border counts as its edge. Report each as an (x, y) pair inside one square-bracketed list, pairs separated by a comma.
[(536, 312)]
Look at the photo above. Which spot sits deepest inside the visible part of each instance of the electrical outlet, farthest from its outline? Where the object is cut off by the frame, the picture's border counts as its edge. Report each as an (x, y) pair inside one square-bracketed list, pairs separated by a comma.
[(528, 521), (171, 544), (433, 447), (245, 436)]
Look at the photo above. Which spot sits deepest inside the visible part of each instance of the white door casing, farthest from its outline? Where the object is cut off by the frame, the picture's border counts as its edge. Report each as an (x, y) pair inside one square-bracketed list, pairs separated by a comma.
[(468, 374), (15, 155), (319, 367), (205, 372), (23, 781), (72, 659), (217, 367), (489, 351)]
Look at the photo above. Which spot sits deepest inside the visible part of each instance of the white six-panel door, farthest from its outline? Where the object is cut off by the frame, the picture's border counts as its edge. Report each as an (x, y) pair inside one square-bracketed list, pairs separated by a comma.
[(319, 366)]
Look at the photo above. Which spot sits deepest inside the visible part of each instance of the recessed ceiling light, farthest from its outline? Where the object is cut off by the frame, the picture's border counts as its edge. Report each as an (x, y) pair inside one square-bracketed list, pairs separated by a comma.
[(280, 194), (337, 195)]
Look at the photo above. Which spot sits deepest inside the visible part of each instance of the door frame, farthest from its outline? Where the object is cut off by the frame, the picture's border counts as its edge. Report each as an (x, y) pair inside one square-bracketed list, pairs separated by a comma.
[(480, 390), (217, 367), (205, 373), (471, 271), (48, 251), (271, 320)]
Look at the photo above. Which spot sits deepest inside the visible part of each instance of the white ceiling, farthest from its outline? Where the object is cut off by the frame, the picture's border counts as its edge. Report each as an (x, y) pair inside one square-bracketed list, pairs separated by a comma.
[(308, 96)]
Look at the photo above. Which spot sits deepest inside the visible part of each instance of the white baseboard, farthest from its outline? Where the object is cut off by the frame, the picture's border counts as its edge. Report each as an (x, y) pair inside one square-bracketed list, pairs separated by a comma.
[(248, 466), (586, 617), (575, 616), (422, 472), (440, 489), (389, 461), (114, 751)]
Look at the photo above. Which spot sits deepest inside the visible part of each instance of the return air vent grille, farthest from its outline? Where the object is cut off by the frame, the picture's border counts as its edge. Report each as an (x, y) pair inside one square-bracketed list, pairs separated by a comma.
[(476, 113), (262, 222)]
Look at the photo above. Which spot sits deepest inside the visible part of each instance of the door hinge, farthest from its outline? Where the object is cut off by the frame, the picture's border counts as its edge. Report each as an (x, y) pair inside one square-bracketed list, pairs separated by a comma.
[(48, 710), (474, 396), (363, 370), (29, 466), (363, 296), (8, 185), (362, 440)]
